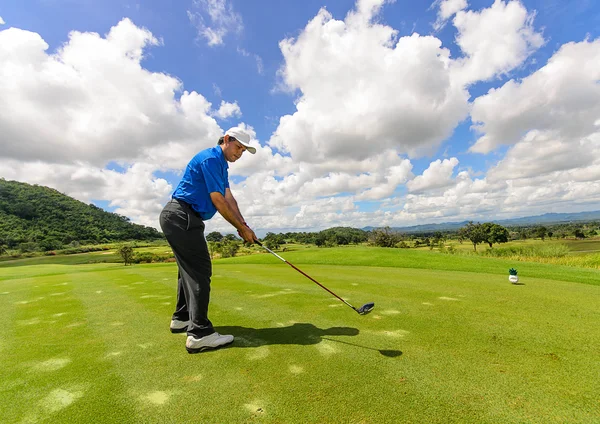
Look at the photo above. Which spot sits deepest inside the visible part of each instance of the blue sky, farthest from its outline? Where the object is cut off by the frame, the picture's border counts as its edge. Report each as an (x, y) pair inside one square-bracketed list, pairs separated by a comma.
[(377, 120)]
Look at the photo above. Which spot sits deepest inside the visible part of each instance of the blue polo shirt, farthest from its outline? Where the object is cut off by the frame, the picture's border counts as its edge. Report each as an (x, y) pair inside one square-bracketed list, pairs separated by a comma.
[(206, 173)]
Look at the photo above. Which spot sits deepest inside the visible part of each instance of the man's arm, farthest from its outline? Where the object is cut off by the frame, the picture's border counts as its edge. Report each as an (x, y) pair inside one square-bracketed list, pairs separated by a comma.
[(232, 215), (233, 204)]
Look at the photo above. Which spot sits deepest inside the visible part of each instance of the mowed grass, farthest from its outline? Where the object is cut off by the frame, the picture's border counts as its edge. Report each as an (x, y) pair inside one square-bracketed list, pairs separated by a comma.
[(450, 340)]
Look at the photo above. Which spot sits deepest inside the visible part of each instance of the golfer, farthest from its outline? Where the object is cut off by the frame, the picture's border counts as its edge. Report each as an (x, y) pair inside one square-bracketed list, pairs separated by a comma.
[(203, 190)]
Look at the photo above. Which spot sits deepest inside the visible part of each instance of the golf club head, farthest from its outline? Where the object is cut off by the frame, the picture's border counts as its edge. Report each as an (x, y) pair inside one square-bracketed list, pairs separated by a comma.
[(366, 308)]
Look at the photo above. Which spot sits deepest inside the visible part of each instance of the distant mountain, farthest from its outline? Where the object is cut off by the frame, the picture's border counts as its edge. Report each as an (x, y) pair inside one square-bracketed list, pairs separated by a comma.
[(547, 218), (47, 219)]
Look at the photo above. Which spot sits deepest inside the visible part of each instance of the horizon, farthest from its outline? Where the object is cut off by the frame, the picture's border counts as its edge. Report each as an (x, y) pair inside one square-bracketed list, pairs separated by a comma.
[(361, 111)]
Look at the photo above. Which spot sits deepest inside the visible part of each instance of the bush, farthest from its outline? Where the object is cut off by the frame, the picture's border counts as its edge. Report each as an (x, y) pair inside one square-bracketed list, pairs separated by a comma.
[(149, 257), (51, 244), (28, 247)]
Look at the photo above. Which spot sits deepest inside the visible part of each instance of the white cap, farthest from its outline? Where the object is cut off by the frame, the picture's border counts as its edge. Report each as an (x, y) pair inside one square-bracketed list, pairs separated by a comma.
[(242, 136)]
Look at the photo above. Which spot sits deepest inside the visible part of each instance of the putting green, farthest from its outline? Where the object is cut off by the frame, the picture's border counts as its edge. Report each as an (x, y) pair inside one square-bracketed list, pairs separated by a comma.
[(90, 343)]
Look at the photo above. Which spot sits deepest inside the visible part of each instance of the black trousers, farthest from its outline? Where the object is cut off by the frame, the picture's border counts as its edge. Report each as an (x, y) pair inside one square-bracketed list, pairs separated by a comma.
[(184, 230)]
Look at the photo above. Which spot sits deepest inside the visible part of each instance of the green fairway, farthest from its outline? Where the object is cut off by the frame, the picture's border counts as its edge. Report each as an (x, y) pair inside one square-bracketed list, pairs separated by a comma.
[(450, 341)]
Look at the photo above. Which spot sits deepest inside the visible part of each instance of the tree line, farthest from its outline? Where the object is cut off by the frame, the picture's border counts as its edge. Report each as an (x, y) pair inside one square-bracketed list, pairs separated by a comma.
[(487, 233)]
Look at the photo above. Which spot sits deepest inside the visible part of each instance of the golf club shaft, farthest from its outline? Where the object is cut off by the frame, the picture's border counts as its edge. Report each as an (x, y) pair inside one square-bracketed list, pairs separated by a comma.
[(303, 273)]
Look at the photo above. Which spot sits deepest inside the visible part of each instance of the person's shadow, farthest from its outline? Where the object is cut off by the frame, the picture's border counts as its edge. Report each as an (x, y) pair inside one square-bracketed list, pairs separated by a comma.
[(298, 334)]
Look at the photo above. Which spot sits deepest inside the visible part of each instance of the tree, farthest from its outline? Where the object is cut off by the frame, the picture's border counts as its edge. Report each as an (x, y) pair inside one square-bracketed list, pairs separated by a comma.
[(438, 238), (541, 232), (126, 252), (214, 236), (494, 233), (230, 237), (320, 239), (384, 237), (272, 241), (227, 248), (473, 232), (579, 233)]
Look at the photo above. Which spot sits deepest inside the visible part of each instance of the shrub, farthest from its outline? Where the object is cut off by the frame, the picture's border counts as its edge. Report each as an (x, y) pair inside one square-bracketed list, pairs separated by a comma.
[(126, 252), (149, 257), (28, 247)]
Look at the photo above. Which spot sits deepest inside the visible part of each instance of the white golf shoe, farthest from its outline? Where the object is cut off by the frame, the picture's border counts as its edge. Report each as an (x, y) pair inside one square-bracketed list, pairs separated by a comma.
[(212, 341), (178, 326)]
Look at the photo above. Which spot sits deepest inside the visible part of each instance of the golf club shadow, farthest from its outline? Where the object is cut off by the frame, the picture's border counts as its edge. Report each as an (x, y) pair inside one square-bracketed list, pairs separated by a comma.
[(298, 334), (390, 353)]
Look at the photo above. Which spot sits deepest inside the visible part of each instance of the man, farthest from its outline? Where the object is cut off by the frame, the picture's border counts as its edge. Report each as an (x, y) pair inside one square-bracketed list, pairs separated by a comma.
[(203, 190)]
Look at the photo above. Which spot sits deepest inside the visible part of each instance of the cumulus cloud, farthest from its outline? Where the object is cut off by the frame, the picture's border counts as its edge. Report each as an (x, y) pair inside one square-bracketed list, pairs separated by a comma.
[(447, 9), (92, 101), (221, 20), (494, 41), (563, 97), (438, 175), (541, 153), (360, 86), (541, 173), (227, 110), (2, 21)]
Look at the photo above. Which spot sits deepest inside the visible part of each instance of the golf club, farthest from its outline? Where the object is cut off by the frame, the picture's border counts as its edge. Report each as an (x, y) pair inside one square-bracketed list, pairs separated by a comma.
[(363, 310)]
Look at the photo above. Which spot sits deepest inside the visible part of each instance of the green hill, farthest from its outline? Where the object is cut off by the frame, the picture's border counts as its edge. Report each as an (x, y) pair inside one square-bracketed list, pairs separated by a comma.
[(34, 217)]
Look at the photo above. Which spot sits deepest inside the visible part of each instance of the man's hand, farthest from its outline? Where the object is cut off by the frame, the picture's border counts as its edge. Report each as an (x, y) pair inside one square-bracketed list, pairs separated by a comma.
[(227, 207), (247, 234)]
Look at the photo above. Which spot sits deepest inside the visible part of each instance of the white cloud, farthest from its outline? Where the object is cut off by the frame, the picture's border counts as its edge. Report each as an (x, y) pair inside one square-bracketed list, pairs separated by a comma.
[(541, 173), (562, 97), (541, 153), (494, 41), (362, 87), (438, 175), (2, 21), (227, 110), (448, 8), (222, 19), (92, 101)]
